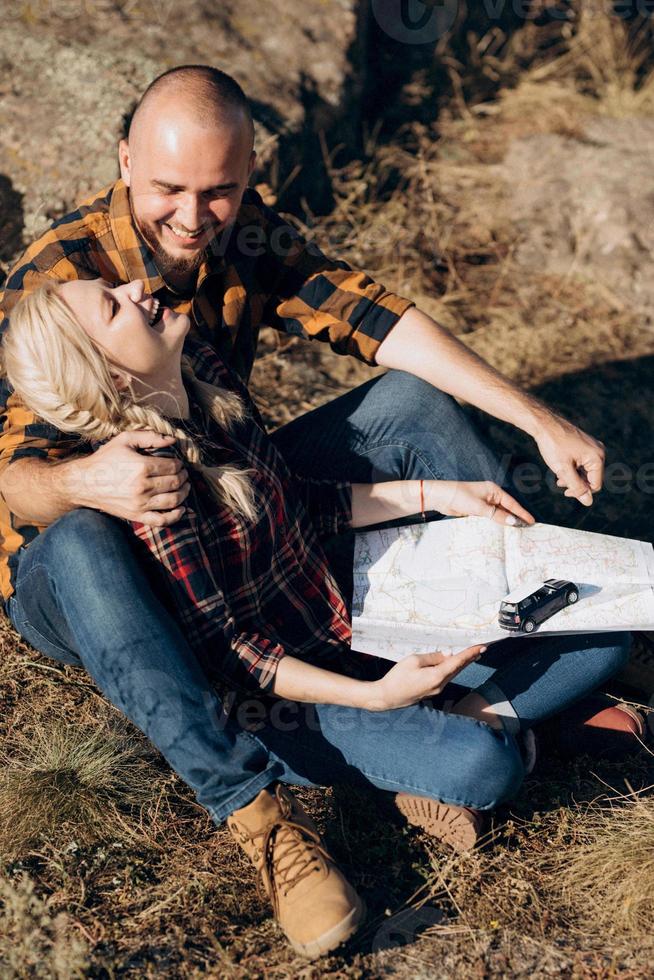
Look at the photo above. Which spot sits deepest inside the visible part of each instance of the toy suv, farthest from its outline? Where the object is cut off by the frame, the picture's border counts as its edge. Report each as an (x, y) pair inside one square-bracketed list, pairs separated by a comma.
[(525, 608)]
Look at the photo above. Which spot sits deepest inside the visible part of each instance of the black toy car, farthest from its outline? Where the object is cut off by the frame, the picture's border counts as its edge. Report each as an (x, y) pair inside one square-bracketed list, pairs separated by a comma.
[(525, 608)]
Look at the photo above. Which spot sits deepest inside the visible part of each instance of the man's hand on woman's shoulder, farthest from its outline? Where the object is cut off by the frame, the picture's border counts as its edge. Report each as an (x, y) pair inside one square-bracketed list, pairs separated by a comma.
[(122, 480)]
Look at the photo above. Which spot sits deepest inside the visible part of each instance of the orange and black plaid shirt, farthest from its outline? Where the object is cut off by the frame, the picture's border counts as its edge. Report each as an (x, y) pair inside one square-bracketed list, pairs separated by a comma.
[(260, 273)]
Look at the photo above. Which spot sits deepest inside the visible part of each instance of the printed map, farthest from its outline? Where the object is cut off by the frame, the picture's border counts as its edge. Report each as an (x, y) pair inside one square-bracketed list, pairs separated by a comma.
[(438, 586)]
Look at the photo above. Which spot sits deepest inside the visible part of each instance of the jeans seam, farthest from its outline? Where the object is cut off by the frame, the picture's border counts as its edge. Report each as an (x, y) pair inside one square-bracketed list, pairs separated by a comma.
[(20, 583), (395, 444)]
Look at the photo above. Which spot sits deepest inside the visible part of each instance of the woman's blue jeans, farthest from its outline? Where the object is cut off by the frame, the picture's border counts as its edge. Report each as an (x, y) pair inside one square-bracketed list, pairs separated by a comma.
[(82, 597)]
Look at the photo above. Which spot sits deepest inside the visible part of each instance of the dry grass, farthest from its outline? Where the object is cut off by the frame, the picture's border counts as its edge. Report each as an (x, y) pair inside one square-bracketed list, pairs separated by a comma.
[(608, 59), (428, 214), (114, 871), (34, 941), (432, 219), (589, 53), (59, 780), (607, 873)]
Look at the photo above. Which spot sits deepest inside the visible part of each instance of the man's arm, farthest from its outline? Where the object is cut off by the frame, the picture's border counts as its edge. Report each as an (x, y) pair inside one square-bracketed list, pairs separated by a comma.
[(37, 492), (417, 344), (117, 479), (311, 295), (317, 297)]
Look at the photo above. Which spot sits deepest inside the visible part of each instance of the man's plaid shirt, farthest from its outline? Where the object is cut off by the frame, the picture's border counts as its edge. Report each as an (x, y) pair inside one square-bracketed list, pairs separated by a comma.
[(247, 592), (261, 273)]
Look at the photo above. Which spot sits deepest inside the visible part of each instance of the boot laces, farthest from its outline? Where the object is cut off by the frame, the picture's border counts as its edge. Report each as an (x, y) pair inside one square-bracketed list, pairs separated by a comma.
[(290, 852)]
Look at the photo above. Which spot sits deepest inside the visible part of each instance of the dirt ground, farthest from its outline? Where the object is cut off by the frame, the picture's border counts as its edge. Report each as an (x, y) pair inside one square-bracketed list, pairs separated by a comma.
[(521, 221)]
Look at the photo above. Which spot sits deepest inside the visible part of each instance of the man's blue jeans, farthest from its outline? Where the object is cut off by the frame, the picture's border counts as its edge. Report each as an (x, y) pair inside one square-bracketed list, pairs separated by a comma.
[(82, 597)]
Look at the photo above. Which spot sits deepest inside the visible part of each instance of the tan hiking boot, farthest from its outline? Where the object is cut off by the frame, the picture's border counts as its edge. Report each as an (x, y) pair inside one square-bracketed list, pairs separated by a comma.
[(458, 826), (313, 903)]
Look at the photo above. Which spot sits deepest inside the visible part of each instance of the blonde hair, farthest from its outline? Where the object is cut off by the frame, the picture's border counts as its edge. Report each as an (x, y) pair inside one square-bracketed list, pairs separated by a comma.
[(65, 378)]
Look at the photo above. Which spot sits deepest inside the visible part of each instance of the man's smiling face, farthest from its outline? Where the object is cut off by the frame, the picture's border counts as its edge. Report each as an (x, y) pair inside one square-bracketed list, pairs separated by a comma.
[(185, 180)]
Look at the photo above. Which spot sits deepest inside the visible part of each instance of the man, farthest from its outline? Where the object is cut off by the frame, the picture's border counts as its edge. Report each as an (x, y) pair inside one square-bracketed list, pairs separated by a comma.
[(182, 220)]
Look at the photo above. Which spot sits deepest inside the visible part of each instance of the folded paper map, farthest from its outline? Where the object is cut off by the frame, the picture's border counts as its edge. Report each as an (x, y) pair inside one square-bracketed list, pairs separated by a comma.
[(438, 586)]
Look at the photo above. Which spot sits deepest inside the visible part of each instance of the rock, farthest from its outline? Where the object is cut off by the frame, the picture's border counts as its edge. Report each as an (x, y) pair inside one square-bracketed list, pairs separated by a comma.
[(69, 72), (584, 207), (61, 121)]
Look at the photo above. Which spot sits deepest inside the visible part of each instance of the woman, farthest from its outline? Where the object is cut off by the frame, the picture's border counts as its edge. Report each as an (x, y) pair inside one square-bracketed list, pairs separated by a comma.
[(244, 570)]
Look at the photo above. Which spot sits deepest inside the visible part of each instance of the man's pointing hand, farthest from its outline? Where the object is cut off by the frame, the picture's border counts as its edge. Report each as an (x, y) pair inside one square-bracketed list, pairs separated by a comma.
[(576, 458)]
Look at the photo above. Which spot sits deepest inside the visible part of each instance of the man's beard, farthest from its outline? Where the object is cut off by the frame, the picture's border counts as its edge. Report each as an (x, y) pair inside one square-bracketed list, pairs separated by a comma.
[(166, 263)]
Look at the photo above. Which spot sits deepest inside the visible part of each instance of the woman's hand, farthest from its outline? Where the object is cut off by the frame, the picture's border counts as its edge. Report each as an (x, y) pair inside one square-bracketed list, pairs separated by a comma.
[(456, 498), (418, 676)]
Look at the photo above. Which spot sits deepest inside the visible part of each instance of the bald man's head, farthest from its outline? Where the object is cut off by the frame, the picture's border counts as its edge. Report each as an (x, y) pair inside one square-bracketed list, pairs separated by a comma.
[(187, 161), (210, 96)]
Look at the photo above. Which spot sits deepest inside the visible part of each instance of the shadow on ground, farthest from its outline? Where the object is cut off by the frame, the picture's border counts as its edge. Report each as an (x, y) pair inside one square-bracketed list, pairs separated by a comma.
[(613, 402), (11, 222)]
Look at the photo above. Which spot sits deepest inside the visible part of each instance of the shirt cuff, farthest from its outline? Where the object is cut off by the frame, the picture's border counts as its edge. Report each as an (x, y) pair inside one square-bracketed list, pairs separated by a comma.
[(258, 656), (375, 325)]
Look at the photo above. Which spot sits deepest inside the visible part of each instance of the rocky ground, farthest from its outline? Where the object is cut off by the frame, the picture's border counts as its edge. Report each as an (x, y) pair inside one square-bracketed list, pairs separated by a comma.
[(499, 174)]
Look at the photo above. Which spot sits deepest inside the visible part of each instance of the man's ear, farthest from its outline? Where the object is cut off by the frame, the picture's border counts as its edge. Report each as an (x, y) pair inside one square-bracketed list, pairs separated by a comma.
[(251, 163), (124, 161)]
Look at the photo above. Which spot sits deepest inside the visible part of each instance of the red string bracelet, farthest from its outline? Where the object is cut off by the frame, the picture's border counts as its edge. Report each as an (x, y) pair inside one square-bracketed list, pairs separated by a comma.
[(422, 500)]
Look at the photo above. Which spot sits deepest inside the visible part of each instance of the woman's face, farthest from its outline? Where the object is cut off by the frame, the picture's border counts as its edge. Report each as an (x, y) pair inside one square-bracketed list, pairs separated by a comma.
[(129, 327)]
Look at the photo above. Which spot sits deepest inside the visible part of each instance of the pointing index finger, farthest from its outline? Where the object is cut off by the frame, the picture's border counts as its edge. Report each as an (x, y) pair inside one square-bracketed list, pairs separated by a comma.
[(509, 504), (459, 660)]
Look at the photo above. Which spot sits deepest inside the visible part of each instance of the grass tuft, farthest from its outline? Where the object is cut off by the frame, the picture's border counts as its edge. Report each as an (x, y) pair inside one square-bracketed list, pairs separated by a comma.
[(607, 876), (58, 779)]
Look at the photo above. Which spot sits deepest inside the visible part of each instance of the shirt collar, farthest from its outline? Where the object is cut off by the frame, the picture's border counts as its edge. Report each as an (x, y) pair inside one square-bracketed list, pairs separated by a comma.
[(135, 253)]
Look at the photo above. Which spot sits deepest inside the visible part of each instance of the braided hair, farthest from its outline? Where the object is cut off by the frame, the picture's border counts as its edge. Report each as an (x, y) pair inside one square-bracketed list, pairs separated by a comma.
[(65, 378)]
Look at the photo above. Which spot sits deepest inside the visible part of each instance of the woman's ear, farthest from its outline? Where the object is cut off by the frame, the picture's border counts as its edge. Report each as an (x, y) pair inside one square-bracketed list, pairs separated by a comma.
[(120, 380)]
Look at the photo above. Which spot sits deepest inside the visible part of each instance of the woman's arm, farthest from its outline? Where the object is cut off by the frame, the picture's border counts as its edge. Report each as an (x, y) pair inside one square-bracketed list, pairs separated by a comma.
[(374, 503), (418, 676)]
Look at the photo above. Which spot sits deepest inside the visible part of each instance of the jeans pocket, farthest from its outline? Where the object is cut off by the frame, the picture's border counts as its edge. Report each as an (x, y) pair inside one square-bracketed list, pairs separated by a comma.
[(41, 643)]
